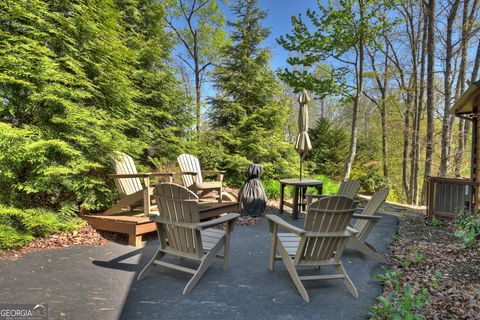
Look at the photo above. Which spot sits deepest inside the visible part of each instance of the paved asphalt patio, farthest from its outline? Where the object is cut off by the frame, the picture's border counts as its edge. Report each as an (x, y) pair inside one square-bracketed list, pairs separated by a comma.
[(99, 283)]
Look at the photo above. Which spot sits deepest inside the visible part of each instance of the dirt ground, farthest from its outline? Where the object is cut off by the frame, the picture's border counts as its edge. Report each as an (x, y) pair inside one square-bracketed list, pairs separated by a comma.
[(430, 256)]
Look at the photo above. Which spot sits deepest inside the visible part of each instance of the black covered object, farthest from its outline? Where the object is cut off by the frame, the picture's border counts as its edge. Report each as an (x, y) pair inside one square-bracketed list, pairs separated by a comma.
[(252, 198)]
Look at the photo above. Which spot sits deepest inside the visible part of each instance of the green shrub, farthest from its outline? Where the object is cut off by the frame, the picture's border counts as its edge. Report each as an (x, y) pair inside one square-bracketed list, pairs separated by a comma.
[(370, 177), (272, 187), (329, 186), (399, 304), (468, 228), (12, 238), (19, 227)]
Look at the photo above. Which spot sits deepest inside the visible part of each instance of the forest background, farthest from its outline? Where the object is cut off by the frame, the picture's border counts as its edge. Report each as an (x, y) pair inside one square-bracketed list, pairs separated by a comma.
[(80, 79)]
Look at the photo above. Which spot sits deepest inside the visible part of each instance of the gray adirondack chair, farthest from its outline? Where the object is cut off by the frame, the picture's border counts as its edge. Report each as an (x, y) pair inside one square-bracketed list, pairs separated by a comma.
[(365, 223), (348, 188), (320, 243), (182, 234), (134, 187), (192, 177)]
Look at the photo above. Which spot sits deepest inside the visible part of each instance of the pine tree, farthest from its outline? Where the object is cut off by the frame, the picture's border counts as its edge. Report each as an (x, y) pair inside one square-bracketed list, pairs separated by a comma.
[(79, 80), (247, 114), (163, 106)]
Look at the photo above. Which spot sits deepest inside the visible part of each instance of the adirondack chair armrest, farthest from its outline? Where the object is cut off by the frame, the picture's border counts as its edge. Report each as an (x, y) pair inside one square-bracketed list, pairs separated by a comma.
[(347, 233), (188, 173), (139, 175), (157, 218), (223, 219), (367, 217), (352, 230), (213, 172), (219, 174), (273, 219), (126, 175), (161, 174)]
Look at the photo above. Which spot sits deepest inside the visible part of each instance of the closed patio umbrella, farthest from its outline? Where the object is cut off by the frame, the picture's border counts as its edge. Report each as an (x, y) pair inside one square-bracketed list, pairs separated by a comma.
[(303, 144)]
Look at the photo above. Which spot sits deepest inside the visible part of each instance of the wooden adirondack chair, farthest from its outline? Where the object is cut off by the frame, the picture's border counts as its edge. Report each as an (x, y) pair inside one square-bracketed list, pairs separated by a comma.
[(181, 233), (133, 192), (192, 177), (348, 188), (320, 243), (365, 223)]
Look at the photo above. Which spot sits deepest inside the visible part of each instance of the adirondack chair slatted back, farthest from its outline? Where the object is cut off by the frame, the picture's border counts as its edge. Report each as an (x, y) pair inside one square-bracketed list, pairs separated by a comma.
[(178, 204), (349, 188), (371, 208), (326, 215), (123, 164), (189, 163)]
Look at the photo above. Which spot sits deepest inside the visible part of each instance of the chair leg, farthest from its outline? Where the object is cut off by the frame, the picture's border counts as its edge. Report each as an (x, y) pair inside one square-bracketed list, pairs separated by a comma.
[(159, 255), (226, 248), (220, 194), (348, 283), (366, 249), (293, 272), (273, 249), (207, 259)]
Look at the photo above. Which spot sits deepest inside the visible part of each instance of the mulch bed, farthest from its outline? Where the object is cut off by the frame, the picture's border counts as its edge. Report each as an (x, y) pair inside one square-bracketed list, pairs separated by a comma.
[(87, 235), (431, 257), (84, 236)]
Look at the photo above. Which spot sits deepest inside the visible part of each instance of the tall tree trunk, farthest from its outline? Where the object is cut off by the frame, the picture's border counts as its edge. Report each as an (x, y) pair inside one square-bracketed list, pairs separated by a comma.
[(415, 112), (353, 132), (416, 142), (447, 85), (406, 146), (476, 66), (198, 98), (430, 106), (383, 116), (359, 81)]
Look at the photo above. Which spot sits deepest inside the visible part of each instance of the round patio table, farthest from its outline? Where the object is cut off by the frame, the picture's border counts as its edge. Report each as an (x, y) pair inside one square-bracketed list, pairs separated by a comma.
[(299, 193)]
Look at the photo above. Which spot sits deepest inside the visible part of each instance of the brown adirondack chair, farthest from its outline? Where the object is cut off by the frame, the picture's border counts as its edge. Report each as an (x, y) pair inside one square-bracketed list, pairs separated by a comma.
[(192, 177), (320, 243), (182, 234), (365, 223), (133, 192)]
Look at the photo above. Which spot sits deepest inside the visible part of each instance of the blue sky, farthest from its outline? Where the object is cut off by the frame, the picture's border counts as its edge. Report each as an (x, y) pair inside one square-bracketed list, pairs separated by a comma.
[(278, 20)]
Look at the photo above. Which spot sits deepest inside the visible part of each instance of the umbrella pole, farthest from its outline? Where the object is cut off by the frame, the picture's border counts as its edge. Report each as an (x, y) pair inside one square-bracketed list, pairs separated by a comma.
[(301, 167)]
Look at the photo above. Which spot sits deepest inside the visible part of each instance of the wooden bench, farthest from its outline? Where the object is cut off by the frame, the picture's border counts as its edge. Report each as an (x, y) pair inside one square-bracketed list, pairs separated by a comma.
[(136, 224)]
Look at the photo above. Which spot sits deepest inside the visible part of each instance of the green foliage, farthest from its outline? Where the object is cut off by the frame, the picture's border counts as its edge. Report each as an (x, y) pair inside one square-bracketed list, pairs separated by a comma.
[(329, 148), (371, 178), (415, 258), (79, 80), (468, 229), (12, 238), (247, 116), (434, 222), (338, 28), (20, 227), (272, 187), (399, 304)]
